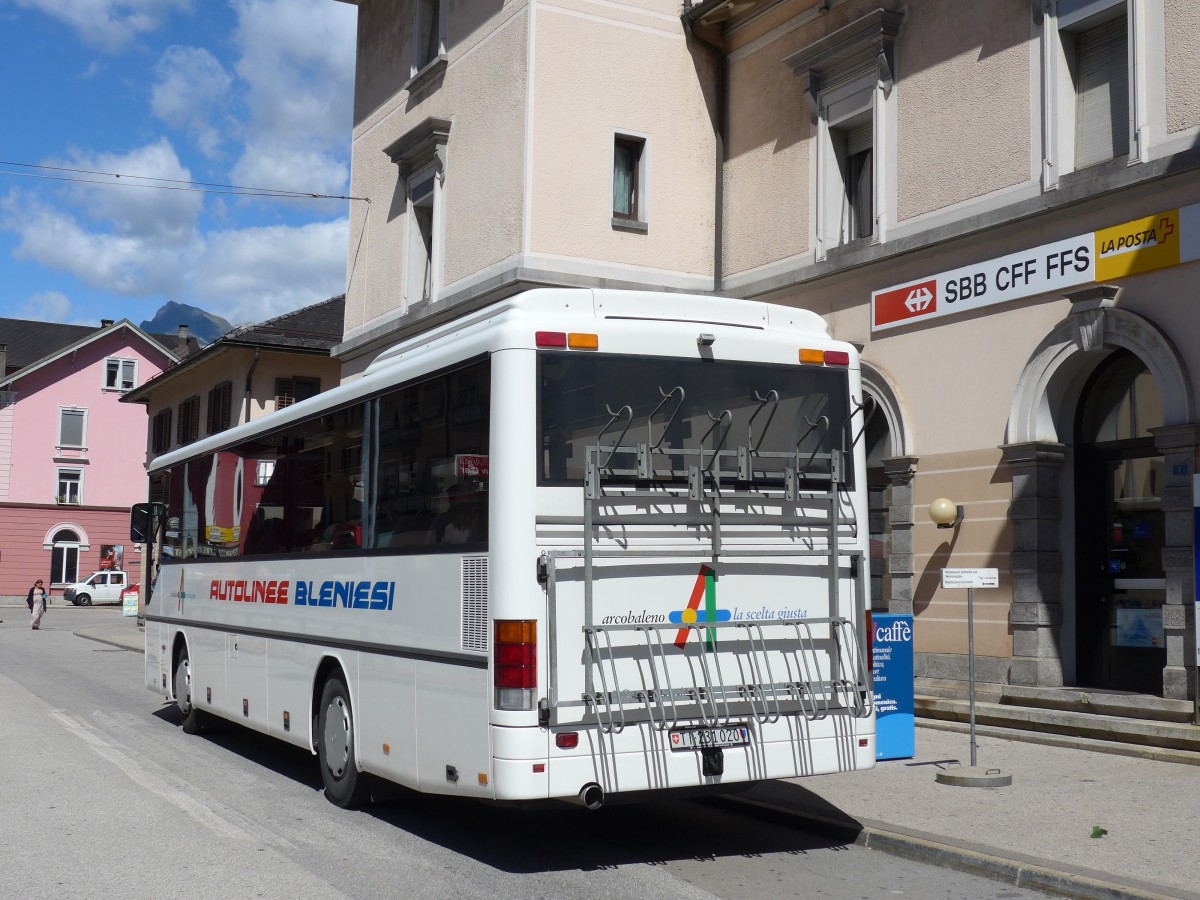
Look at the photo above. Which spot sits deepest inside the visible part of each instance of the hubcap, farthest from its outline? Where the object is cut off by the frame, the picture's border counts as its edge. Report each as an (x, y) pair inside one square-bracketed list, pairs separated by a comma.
[(183, 687), (337, 736)]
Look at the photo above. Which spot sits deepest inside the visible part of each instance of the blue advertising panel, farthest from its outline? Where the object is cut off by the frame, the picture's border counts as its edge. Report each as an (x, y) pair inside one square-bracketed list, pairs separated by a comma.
[(892, 669)]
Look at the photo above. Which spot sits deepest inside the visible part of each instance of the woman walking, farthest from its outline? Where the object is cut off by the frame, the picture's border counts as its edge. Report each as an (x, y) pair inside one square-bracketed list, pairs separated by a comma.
[(37, 603)]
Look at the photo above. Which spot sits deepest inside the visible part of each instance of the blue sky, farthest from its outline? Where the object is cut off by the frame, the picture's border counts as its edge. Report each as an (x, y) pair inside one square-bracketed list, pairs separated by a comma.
[(251, 93)]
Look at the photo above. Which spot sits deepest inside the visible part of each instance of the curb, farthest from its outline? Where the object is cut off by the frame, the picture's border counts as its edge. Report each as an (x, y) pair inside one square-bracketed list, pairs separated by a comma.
[(987, 862)]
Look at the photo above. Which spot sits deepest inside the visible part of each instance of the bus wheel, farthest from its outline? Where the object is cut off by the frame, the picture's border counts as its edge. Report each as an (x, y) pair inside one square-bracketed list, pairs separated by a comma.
[(83, 600), (345, 786), (183, 694)]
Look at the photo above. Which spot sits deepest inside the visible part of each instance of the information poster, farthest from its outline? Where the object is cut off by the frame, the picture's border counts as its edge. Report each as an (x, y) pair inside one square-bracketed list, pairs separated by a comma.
[(892, 670), (129, 600)]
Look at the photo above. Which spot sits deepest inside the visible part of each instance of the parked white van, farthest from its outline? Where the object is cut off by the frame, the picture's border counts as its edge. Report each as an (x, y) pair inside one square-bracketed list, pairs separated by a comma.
[(102, 587)]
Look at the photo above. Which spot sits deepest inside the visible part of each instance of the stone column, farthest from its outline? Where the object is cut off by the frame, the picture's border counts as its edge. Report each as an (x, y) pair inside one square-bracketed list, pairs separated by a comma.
[(1178, 444), (898, 583), (1036, 562)]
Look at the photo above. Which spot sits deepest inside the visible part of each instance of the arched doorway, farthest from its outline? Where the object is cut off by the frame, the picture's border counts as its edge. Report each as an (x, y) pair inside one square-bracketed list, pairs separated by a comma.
[(1119, 534), (64, 557)]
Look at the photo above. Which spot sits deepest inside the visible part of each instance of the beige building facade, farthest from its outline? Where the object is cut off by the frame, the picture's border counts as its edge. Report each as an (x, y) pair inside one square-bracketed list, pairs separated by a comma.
[(997, 201)]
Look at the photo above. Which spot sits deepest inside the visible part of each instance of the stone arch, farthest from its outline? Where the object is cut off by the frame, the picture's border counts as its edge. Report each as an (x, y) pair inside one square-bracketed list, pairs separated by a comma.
[(84, 541), (878, 385), (1094, 324), (1038, 453)]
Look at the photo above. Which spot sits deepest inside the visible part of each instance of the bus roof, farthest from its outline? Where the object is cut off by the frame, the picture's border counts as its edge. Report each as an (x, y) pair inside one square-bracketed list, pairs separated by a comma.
[(550, 304)]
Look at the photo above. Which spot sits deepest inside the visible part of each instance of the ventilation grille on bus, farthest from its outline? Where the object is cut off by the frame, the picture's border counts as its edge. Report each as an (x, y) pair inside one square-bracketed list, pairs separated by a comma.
[(475, 603)]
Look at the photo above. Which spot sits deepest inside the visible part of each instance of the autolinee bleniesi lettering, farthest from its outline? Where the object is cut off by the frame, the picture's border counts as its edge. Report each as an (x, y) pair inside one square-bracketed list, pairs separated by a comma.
[(249, 591), (347, 594)]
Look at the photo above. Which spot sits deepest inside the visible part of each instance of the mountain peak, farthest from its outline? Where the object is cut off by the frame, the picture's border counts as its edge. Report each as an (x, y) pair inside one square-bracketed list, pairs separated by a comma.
[(202, 325)]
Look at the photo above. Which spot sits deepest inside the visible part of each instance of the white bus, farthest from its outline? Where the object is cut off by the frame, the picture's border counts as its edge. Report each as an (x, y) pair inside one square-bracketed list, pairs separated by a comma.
[(578, 544)]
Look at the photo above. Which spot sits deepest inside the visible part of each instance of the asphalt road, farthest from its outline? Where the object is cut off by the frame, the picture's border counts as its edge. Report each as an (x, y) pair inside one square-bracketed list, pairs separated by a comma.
[(105, 795)]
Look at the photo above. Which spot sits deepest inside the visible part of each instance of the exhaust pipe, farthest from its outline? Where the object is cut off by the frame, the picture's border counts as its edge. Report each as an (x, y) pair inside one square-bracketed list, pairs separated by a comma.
[(591, 796)]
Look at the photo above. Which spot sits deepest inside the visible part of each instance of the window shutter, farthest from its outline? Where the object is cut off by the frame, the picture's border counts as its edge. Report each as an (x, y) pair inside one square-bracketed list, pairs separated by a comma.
[(128, 374), (285, 392), (195, 422), (860, 139), (1102, 93)]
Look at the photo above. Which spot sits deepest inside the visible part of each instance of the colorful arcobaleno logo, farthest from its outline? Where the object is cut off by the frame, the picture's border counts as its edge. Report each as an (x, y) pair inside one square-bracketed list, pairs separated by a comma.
[(706, 588)]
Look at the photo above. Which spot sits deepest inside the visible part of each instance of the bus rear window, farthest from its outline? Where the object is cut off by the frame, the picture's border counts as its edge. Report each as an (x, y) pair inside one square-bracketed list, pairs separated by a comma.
[(788, 416)]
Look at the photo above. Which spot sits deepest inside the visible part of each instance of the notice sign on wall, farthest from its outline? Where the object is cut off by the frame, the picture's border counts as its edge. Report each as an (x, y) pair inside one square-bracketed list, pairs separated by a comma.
[(892, 671), (1142, 245)]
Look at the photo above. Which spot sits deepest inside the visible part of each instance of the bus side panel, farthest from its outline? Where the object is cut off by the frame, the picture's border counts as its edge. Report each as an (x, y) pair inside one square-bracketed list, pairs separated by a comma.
[(246, 678), (289, 691), (386, 718), (455, 753), (158, 659), (206, 651)]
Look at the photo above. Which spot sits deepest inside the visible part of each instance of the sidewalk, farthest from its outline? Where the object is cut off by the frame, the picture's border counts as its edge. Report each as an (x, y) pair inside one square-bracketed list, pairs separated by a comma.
[(1036, 833)]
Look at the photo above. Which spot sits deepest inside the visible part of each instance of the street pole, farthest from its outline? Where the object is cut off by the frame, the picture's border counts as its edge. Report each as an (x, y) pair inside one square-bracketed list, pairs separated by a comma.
[(971, 667)]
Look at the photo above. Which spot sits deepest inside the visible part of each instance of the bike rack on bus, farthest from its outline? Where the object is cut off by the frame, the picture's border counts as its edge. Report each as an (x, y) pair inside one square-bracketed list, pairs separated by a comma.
[(775, 668)]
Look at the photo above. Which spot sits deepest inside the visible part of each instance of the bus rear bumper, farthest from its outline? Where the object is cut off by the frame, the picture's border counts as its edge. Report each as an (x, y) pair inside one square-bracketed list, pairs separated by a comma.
[(642, 758)]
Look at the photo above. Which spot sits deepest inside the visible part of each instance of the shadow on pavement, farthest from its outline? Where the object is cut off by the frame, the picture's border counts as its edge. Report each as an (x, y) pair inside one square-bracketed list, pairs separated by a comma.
[(552, 836)]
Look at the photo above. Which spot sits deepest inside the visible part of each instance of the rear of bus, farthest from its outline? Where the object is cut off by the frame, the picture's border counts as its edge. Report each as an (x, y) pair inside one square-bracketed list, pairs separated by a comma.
[(688, 491)]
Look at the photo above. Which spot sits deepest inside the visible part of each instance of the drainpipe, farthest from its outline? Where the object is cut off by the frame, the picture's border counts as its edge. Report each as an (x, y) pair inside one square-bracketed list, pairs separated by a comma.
[(722, 99), (249, 381)]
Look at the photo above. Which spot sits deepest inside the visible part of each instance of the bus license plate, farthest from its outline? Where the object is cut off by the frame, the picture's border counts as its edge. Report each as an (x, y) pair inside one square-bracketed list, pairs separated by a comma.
[(703, 738)]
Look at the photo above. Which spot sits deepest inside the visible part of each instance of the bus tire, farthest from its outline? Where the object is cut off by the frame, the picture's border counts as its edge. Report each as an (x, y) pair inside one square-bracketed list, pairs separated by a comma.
[(191, 721), (345, 786), (83, 600)]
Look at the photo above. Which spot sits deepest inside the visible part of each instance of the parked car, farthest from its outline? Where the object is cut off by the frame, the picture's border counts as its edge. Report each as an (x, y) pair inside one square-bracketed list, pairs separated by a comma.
[(100, 587)]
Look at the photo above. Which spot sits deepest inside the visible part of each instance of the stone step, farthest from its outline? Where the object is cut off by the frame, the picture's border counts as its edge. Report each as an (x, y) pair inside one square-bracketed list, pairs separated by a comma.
[(1094, 725), (1086, 700)]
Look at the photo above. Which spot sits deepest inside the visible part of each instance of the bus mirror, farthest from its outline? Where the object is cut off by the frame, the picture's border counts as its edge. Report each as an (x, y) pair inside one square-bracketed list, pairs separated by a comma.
[(142, 521)]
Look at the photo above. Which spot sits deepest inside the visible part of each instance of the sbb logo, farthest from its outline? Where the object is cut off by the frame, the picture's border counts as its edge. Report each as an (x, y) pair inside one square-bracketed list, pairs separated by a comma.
[(912, 302)]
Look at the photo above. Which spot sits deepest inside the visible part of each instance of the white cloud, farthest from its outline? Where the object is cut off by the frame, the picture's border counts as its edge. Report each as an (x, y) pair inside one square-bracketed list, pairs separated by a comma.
[(191, 87), (255, 273), (48, 306), (297, 61), (120, 237), (109, 25), (129, 207)]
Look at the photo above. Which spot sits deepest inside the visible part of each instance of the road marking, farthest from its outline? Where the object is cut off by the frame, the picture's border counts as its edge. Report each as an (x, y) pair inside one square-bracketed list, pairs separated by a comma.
[(142, 777)]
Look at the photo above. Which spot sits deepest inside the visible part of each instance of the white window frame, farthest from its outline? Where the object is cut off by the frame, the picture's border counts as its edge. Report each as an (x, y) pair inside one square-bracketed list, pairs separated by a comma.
[(423, 61), (421, 154), (120, 363), (58, 486), (82, 445), (1058, 85), (421, 281), (642, 188), (838, 106), (846, 73)]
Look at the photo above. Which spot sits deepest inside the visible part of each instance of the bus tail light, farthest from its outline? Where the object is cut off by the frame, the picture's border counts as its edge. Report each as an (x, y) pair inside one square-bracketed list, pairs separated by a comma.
[(824, 357), (580, 341), (557, 339), (566, 740), (515, 663)]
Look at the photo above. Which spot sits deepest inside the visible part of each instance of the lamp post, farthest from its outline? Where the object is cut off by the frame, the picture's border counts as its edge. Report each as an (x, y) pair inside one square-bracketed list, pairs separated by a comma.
[(946, 513)]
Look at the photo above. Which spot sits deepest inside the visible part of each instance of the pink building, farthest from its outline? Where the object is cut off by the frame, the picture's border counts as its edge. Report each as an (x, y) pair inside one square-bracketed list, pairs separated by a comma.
[(72, 457)]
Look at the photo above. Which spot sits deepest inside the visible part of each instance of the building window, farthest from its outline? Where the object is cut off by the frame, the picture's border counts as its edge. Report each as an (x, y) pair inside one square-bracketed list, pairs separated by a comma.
[(72, 428), (120, 374), (848, 80), (294, 389), (852, 142), (70, 487), (421, 156), (64, 557), (187, 429), (219, 407), (161, 432), (429, 34), (1089, 60), (629, 174), (419, 261)]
